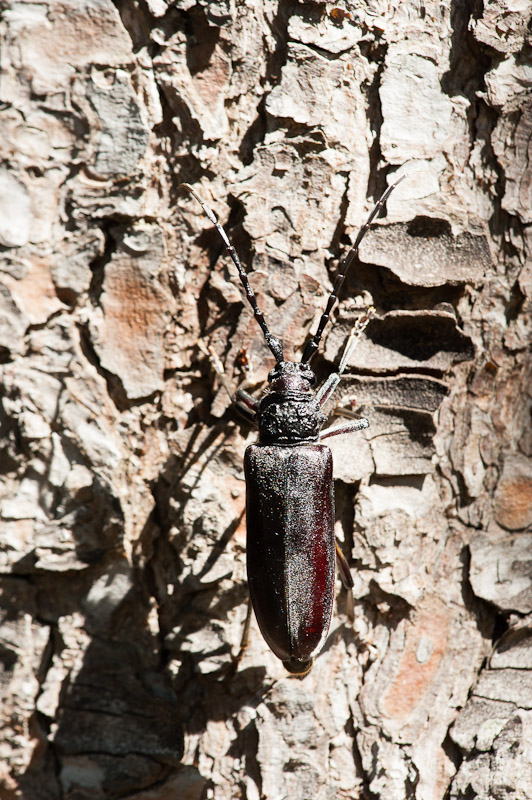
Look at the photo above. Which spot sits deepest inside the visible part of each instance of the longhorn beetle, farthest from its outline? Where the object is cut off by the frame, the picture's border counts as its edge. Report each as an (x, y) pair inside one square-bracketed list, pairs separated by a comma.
[(289, 484)]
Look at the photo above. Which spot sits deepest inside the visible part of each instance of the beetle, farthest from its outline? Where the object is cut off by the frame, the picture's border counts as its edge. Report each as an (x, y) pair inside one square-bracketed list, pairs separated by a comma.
[(289, 483)]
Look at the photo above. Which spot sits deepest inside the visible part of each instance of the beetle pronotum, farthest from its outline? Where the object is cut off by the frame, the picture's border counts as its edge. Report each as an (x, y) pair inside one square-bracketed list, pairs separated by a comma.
[(289, 484)]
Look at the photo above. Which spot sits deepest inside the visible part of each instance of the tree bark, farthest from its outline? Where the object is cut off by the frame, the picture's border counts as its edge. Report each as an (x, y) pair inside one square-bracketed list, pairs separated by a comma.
[(122, 539)]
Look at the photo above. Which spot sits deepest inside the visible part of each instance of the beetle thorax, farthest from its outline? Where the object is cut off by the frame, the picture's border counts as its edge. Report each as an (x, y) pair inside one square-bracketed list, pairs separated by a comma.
[(289, 413)]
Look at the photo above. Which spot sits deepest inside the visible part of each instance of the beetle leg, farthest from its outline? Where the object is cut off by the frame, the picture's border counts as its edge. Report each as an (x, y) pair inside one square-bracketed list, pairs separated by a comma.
[(242, 399), (328, 388), (347, 581), (218, 367), (235, 663), (333, 380)]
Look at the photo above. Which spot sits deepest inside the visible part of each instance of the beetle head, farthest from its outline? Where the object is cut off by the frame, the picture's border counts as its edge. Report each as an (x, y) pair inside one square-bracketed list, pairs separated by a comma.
[(291, 376)]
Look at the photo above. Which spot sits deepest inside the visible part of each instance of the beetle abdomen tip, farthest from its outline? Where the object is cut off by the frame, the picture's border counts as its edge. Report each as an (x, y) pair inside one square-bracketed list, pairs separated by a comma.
[(298, 667)]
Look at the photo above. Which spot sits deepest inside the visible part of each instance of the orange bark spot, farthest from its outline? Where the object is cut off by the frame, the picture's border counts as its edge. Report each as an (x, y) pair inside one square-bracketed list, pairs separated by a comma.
[(513, 503), (425, 645)]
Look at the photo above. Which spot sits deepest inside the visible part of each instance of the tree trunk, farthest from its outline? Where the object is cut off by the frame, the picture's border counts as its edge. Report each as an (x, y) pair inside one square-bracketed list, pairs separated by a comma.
[(122, 496)]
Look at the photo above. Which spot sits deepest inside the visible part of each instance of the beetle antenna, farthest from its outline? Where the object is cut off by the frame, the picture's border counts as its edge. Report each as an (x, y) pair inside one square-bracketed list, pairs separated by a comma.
[(273, 343), (314, 343)]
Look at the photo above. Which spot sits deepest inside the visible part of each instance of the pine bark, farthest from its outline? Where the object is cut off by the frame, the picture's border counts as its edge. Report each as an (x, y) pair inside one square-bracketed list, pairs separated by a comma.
[(122, 538)]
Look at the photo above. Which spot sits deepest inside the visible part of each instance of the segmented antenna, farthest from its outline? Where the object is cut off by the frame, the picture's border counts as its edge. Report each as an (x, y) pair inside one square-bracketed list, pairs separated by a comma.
[(273, 343), (314, 343)]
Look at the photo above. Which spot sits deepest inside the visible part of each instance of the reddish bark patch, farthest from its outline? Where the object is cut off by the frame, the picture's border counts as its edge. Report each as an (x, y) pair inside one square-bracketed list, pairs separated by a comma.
[(513, 503), (425, 645)]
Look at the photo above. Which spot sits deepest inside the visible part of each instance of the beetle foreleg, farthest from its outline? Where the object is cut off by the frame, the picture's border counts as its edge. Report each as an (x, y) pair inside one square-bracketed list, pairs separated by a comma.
[(242, 399), (218, 367), (333, 380), (313, 344), (246, 401)]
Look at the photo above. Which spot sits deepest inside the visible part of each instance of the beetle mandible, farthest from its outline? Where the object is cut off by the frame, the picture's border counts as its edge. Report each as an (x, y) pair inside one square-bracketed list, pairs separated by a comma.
[(289, 484)]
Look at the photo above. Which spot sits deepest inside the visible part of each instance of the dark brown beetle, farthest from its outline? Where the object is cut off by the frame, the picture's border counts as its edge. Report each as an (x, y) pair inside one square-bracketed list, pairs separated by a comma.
[(290, 490)]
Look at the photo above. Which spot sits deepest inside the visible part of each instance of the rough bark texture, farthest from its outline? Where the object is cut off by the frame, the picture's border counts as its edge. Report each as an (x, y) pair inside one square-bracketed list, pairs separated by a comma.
[(122, 559)]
